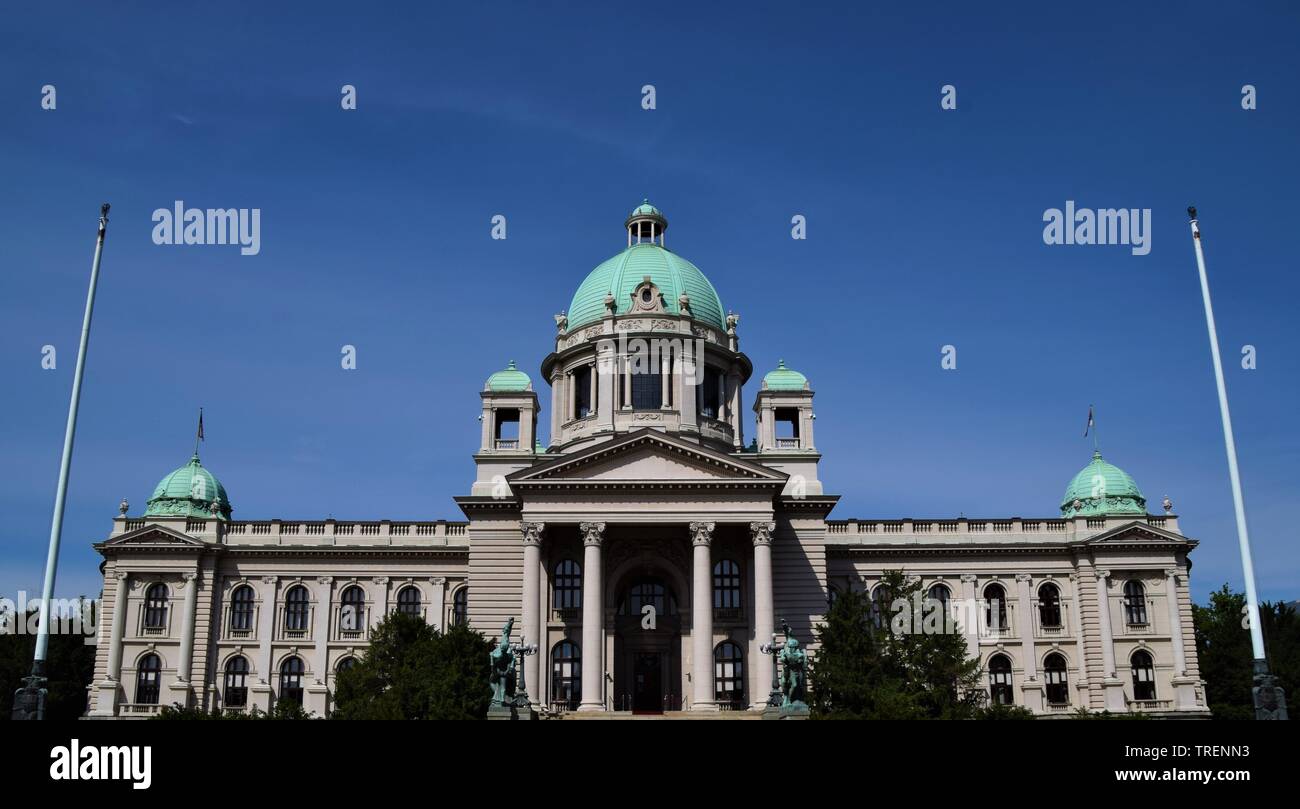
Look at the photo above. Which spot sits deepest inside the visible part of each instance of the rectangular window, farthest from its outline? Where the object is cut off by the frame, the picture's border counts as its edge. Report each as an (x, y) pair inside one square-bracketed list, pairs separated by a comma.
[(582, 393), (711, 394), (647, 391)]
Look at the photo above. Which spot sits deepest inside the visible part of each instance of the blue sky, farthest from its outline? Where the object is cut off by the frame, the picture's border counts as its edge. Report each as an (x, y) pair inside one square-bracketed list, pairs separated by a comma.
[(924, 229)]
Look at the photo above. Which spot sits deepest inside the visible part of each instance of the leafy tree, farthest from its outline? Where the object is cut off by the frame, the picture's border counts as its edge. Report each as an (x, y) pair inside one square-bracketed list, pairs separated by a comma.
[(283, 709), (412, 671), (69, 667), (1225, 655), (911, 663)]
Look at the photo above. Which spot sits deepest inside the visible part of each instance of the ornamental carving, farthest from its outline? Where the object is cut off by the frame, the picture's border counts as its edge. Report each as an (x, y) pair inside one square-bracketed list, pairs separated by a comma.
[(648, 417), (662, 325), (532, 532), (593, 533), (761, 532), (702, 533), (631, 325)]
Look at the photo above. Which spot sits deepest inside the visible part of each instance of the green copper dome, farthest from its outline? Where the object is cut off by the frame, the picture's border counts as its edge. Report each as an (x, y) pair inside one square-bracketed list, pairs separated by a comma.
[(620, 275), (1102, 488), (784, 378), (509, 380), (188, 492)]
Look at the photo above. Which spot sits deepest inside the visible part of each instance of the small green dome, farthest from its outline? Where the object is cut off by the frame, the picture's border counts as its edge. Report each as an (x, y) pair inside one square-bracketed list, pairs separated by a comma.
[(620, 275), (1102, 488), (188, 492), (509, 380), (784, 378)]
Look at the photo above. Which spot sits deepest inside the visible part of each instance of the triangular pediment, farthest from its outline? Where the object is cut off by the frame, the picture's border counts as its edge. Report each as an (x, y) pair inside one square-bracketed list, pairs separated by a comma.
[(647, 456), (152, 536), (1138, 533)]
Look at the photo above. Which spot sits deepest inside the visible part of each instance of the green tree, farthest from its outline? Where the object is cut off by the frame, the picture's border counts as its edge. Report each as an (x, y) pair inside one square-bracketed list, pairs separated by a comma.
[(69, 667), (1224, 652), (910, 663), (412, 671)]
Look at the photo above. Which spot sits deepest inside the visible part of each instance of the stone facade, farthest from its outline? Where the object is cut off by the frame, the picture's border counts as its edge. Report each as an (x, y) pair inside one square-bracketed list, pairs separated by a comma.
[(647, 551)]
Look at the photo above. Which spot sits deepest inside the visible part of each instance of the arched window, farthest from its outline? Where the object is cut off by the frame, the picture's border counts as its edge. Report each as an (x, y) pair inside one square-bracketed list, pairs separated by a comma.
[(155, 606), (352, 615), (566, 674), (1135, 603), (241, 609), (941, 595), (881, 597), (568, 585), (995, 608), (460, 607), (1000, 680), (296, 609), (291, 671), (346, 664), (1049, 606), (729, 675), (1057, 677), (147, 677), (726, 585), (408, 601), (650, 592), (236, 690), (1144, 675)]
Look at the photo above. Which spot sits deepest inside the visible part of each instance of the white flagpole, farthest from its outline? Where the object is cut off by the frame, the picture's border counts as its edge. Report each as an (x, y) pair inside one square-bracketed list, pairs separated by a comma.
[(36, 681), (1243, 536)]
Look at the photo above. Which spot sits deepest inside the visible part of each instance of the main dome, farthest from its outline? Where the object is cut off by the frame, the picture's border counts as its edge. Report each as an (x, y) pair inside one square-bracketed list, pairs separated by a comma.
[(620, 275), (1102, 488), (189, 491)]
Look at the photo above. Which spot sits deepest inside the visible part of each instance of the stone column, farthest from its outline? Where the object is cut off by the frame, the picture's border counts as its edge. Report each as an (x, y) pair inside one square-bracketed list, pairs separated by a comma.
[(261, 690), (607, 376), (532, 538), (1112, 686), (120, 606), (665, 381), (1030, 686), (1175, 624), (187, 627), (733, 407), (970, 622), (764, 609), (593, 618), (557, 396), (702, 618), (438, 603), (316, 692)]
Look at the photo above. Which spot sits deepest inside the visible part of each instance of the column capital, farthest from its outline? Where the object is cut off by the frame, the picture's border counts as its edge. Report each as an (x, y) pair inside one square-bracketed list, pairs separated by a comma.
[(381, 580), (969, 578), (121, 575), (1024, 577), (702, 533), (270, 579), (1102, 573), (593, 533), (438, 581), (761, 532), (1172, 573), (532, 532), (189, 577), (324, 579)]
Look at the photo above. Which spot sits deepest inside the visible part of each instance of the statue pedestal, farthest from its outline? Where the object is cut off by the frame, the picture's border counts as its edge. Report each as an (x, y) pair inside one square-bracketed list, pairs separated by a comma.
[(512, 712), (799, 711)]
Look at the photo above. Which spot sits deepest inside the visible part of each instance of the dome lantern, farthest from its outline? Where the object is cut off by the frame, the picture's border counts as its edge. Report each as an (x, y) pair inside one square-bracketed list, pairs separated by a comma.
[(645, 225)]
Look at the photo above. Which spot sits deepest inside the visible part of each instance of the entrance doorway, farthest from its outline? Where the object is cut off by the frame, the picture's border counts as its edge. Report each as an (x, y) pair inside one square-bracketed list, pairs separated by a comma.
[(647, 647)]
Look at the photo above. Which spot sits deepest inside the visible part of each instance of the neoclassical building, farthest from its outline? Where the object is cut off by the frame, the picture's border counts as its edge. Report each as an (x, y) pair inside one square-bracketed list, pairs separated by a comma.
[(645, 547)]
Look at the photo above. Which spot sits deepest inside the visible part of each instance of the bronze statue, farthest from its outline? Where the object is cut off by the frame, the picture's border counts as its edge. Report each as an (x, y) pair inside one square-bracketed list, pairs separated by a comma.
[(502, 678), (794, 676)]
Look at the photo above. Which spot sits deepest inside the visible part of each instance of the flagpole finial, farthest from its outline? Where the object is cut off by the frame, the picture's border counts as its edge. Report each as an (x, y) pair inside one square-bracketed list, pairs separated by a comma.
[(1191, 211)]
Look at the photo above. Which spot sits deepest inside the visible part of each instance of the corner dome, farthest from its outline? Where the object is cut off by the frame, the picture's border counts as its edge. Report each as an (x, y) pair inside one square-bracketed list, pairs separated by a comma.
[(509, 380), (189, 491), (1102, 488), (784, 378), (621, 274)]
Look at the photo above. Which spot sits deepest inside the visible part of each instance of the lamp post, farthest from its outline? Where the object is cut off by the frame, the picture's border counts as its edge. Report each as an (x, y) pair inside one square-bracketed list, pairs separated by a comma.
[(522, 650), (29, 701), (1270, 700)]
